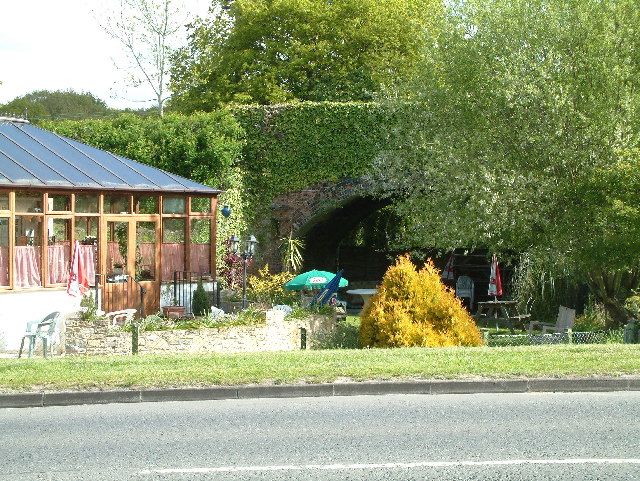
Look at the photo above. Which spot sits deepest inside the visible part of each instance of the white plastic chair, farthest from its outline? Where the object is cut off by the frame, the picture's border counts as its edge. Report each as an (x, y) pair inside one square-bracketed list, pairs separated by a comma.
[(44, 330), (465, 289)]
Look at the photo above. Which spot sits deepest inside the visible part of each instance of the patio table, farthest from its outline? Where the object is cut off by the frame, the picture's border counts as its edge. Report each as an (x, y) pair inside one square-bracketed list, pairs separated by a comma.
[(500, 312), (366, 294)]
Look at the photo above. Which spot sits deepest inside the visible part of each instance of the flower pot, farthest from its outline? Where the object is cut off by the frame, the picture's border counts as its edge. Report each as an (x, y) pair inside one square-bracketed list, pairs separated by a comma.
[(173, 312)]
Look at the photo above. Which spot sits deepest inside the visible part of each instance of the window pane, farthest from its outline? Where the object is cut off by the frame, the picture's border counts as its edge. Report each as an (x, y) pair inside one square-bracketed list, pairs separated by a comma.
[(86, 204), (173, 205), (58, 250), (145, 204), (200, 261), (87, 235), (172, 252), (4, 201), (200, 204), (116, 204), (59, 203), (145, 251), (28, 202), (4, 251), (28, 251), (86, 229), (117, 250)]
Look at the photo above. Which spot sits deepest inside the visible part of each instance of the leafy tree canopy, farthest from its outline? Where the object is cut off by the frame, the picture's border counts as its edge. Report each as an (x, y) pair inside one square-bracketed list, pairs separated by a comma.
[(525, 136), (58, 104), (270, 51)]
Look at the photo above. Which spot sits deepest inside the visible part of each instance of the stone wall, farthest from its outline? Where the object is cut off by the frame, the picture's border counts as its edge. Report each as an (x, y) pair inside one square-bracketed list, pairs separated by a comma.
[(276, 334)]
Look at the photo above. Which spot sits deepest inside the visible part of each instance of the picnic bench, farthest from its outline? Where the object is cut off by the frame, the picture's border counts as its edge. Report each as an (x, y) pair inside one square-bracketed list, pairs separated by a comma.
[(501, 313)]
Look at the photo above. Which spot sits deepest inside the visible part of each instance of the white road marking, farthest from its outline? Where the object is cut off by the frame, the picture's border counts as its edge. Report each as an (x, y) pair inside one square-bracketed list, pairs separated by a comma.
[(426, 464)]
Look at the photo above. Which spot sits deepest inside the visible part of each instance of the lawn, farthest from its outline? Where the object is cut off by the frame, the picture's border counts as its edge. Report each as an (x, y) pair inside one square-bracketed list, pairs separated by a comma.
[(71, 373)]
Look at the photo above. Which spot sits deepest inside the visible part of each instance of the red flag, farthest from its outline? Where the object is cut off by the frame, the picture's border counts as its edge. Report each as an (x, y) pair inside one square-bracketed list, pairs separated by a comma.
[(495, 281), (447, 273), (78, 283)]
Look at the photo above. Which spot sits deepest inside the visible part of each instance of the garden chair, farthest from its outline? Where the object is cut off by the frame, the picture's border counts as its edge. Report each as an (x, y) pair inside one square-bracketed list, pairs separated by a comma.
[(120, 318), (465, 289), (45, 330), (564, 322)]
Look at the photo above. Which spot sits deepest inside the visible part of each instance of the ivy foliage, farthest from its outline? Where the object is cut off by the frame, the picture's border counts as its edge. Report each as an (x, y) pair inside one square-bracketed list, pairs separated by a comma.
[(293, 146)]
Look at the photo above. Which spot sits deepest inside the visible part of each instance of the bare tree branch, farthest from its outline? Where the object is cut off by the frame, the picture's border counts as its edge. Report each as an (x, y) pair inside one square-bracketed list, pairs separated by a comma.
[(147, 29)]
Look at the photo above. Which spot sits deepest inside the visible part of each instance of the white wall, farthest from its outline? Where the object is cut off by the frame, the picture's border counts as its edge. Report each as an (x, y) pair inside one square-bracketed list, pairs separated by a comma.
[(19, 307)]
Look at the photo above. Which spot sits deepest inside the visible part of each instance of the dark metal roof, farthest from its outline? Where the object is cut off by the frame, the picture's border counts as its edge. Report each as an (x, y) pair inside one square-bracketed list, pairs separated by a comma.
[(33, 157)]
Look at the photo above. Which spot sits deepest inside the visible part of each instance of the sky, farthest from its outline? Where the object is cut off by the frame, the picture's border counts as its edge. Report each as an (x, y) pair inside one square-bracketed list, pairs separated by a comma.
[(59, 45)]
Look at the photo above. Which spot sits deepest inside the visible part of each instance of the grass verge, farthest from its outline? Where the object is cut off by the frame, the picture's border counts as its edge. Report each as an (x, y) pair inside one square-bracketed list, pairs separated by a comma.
[(82, 373)]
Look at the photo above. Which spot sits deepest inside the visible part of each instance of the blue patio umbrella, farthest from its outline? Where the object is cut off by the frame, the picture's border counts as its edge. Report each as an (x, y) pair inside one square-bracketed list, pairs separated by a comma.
[(313, 280), (329, 290)]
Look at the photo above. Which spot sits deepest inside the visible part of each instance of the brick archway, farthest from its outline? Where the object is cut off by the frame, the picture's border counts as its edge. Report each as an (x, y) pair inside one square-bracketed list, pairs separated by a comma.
[(321, 215)]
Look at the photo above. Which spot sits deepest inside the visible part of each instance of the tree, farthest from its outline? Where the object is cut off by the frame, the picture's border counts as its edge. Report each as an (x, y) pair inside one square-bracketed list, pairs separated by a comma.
[(147, 29), (59, 104), (522, 135), (270, 51)]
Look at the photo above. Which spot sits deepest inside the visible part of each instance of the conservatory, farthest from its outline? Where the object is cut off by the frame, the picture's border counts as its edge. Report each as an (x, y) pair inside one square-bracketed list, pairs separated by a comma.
[(137, 226)]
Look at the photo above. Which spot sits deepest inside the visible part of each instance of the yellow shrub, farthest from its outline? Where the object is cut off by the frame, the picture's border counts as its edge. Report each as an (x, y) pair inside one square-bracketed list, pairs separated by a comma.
[(414, 308), (268, 289)]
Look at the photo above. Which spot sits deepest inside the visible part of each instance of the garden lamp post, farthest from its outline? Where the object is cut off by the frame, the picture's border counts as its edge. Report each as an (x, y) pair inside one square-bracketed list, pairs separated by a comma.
[(247, 253)]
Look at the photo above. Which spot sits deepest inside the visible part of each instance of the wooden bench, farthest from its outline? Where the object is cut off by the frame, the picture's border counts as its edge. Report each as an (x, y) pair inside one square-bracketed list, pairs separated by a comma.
[(564, 322)]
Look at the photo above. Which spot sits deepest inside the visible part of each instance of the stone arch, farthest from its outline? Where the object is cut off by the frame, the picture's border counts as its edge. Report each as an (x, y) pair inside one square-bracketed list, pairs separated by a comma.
[(321, 215)]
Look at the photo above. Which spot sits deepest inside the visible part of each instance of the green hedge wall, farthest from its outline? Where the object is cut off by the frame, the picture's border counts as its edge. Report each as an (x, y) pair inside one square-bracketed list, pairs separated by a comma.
[(293, 146), (202, 147)]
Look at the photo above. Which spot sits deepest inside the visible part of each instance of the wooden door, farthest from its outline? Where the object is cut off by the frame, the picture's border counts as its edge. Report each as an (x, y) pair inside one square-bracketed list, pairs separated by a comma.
[(131, 264)]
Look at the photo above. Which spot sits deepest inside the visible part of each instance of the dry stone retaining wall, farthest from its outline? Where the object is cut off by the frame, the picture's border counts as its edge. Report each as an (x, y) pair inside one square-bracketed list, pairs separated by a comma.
[(276, 335)]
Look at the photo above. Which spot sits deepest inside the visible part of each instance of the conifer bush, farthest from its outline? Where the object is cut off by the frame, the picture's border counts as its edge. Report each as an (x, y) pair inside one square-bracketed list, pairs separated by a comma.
[(414, 308), (200, 304)]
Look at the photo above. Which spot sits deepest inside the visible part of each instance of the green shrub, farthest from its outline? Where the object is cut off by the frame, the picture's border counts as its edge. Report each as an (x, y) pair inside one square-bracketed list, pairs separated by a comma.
[(414, 308), (89, 308), (594, 318), (344, 336), (200, 303), (153, 322), (632, 304), (249, 317)]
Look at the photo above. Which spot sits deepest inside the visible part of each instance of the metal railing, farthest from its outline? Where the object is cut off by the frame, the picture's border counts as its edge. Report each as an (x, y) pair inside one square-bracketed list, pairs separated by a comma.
[(184, 285)]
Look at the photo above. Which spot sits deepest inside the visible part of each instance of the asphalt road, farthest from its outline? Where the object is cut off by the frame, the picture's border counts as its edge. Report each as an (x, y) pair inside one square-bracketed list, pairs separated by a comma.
[(395, 437)]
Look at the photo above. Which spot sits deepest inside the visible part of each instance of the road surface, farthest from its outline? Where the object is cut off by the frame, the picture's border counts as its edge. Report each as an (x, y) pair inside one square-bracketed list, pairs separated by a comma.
[(584, 436)]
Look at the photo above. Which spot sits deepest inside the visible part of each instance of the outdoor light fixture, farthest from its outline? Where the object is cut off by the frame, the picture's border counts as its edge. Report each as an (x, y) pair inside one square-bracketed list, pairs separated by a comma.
[(226, 210), (246, 254), (235, 243)]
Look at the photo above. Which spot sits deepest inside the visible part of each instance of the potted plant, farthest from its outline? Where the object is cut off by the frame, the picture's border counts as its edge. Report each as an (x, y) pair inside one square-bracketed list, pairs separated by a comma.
[(174, 310), (117, 268)]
